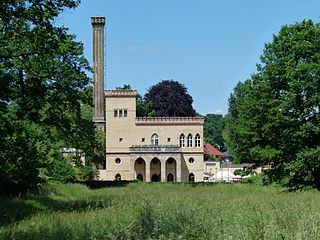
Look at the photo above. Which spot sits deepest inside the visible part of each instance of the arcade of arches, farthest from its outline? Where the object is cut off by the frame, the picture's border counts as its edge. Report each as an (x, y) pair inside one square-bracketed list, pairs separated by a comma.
[(157, 169)]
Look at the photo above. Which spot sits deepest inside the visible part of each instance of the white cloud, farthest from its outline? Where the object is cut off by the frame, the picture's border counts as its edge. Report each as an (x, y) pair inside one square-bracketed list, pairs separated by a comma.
[(219, 111)]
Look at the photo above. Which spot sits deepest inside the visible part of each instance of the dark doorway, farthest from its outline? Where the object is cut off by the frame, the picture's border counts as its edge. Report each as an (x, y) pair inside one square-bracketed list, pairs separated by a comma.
[(155, 170), (118, 177), (191, 177), (140, 169), (170, 177), (155, 178), (140, 177), (171, 169)]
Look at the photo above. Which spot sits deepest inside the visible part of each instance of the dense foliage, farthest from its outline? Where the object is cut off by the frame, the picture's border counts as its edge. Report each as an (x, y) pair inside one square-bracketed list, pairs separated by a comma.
[(214, 125), (274, 116), (170, 99), (144, 108), (44, 92)]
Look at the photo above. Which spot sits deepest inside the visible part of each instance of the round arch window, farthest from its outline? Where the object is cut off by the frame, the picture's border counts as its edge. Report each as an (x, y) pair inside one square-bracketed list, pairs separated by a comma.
[(191, 160), (181, 140), (155, 139), (118, 160)]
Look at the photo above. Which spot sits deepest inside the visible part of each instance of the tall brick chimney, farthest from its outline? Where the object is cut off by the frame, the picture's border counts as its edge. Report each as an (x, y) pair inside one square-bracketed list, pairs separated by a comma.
[(98, 24)]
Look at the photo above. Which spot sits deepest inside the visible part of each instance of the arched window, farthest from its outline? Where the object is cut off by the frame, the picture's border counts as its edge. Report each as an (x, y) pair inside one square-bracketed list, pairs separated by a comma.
[(181, 140), (197, 140), (155, 139), (191, 160), (118, 160), (189, 141), (118, 177), (191, 177)]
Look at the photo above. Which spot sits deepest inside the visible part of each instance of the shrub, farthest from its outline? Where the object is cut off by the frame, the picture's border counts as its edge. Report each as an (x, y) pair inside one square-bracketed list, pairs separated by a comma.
[(26, 149), (60, 169), (259, 179)]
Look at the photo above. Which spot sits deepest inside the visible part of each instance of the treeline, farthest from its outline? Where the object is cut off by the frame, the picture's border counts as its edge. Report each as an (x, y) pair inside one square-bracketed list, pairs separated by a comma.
[(46, 102), (45, 95), (274, 116)]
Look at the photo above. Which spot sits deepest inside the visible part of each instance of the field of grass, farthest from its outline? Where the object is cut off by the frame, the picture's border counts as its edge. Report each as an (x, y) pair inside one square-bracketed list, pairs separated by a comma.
[(162, 211)]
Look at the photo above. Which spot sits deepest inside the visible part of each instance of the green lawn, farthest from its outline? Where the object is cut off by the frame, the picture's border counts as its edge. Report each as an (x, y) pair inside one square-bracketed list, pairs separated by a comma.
[(163, 211)]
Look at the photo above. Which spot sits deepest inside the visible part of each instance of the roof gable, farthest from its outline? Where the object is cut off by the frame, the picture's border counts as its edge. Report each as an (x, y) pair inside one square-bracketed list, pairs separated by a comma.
[(211, 150)]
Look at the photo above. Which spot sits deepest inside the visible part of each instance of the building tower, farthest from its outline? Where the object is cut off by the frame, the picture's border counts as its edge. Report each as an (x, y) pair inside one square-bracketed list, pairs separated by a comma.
[(98, 24)]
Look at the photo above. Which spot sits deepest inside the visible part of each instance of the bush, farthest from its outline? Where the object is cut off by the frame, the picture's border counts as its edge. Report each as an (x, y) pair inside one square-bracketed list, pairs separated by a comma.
[(60, 169), (85, 173), (25, 151), (259, 179)]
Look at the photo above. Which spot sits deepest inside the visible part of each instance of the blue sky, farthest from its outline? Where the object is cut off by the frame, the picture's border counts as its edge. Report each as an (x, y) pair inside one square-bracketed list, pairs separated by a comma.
[(208, 45)]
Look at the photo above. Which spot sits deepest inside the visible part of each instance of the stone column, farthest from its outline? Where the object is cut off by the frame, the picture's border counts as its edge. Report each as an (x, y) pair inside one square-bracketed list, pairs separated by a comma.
[(147, 170), (163, 170), (132, 170), (178, 169), (98, 68)]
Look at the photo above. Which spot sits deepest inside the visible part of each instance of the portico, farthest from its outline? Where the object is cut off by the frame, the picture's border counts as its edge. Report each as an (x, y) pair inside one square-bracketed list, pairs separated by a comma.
[(156, 163)]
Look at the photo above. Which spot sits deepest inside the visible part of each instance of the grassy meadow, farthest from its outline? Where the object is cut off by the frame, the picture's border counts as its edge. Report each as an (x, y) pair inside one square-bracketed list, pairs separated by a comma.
[(162, 211)]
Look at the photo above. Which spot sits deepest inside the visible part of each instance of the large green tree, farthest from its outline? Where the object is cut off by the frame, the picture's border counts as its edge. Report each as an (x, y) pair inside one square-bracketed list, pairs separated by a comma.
[(170, 99), (274, 116), (43, 86)]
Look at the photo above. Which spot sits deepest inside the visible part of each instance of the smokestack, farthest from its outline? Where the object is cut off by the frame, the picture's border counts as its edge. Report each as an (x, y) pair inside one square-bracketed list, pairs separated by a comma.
[(98, 68)]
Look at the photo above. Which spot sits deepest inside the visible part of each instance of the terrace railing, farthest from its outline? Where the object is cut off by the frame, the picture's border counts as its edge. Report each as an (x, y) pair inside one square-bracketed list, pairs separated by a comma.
[(155, 148)]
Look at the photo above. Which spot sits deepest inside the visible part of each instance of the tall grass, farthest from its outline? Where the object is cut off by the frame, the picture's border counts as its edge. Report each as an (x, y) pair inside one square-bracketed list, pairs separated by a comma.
[(163, 211)]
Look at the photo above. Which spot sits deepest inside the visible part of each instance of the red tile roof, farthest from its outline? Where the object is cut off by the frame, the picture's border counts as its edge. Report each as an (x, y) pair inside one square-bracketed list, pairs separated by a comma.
[(211, 150)]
